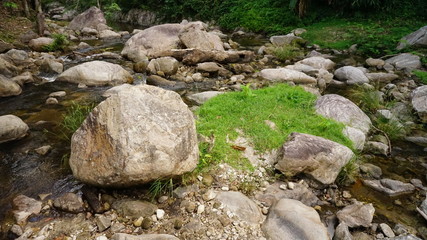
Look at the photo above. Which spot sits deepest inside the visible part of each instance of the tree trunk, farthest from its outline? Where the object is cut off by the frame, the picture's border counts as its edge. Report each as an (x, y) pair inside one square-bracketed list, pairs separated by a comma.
[(26, 8), (41, 25)]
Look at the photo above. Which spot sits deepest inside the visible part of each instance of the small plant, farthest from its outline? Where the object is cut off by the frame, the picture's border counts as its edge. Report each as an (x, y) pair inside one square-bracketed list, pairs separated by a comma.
[(11, 5), (59, 43), (422, 75), (367, 99), (287, 52), (392, 128), (158, 187), (349, 172), (74, 117), (247, 91)]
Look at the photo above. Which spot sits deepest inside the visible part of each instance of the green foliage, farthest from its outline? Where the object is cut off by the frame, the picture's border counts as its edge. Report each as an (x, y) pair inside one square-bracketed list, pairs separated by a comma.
[(422, 75), (290, 108), (393, 128), (369, 100), (287, 52), (161, 186), (59, 43), (111, 9), (348, 173), (11, 5), (74, 117)]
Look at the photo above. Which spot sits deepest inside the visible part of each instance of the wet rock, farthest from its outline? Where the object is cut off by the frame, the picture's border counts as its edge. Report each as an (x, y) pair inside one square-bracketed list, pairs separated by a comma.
[(241, 206), (39, 44), (89, 18), (202, 97), (317, 157), (24, 206), (318, 63), (51, 101), (69, 202), (12, 128), (193, 37), (43, 150), (123, 236), (294, 220), (419, 102), (381, 77), (371, 170), (377, 148), (405, 61), (287, 75), (108, 34), (342, 232), (357, 215), (378, 63), (416, 39), (213, 67), (343, 110), (140, 67), (96, 73), (167, 148), (423, 209), (166, 65), (91, 196), (386, 229), (164, 83), (8, 87), (58, 94), (390, 187), (134, 208), (351, 75), (276, 191), (51, 66), (194, 56)]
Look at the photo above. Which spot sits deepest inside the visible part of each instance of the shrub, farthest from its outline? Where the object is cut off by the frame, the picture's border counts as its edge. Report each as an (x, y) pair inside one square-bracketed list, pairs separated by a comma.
[(59, 43)]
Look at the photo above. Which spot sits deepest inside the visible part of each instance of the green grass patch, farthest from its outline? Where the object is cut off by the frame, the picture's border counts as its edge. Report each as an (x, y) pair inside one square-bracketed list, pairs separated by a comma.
[(422, 75), (291, 109), (287, 52), (59, 43), (74, 117)]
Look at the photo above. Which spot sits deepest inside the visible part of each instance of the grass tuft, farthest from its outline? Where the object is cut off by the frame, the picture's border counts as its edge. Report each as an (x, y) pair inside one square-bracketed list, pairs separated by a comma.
[(59, 43), (74, 117), (348, 173), (287, 52), (422, 75), (161, 186)]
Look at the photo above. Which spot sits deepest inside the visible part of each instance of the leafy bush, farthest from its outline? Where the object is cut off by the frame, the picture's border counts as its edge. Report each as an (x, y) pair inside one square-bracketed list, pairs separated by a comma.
[(111, 9), (11, 5), (59, 43)]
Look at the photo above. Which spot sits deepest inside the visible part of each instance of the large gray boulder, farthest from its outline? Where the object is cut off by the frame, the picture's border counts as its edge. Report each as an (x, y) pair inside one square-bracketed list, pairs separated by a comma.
[(12, 128), (89, 18), (137, 135), (287, 75), (152, 41), (317, 157), (343, 110), (417, 39), (39, 44), (357, 215), (8, 87), (292, 220), (419, 102), (241, 206), (351, 75), (193, 37), (167, 65), (96, 73), (405, 61), (318, 63)]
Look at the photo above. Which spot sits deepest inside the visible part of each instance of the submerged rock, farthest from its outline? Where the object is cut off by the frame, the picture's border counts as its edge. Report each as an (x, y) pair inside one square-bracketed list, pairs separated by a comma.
[(317, 157), (390, 187), (12, 128), (294, 220), (357, 215), (137, 135)]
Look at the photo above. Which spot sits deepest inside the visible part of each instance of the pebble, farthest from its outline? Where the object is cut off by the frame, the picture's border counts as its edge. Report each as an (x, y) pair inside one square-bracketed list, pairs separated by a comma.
[(138, 222), (160, 214), (264, 210), (52, 101), (43, 150), (200, 209), (177, 224), (225, 188), (291, 185), (58, 94), (101, 238), (283, 186), (209, 195), (346, 194), (162, 199), (386, 229)]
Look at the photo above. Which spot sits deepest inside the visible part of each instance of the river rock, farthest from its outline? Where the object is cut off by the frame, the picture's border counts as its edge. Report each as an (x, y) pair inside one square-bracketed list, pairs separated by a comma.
[(386, 229), (202, 97), (89, 18), (342, 232), (4, 46), (96, 73), (283, 40), (69, 202), (317, 157), (8, 87), (40, 43), (51, 66), (164, 83), (7, 68), (405, 61), (241, 206), (25, 206), (145, 133), (194, 56), (309, 70), (134, 208), (356, 136), (23, 78), (291, 219), (343, 110), (357, 215), (193, 37), (390, 187), (213, 67), (371, 170), (318, 63), (137, 16), (167, 65), (377, 148), (287, 75), (299, 192), (124, 236), (351, 75), (152, 41), (12, 128), (419, 102), (406, 237), (416, 39), (372, 62), (18, 57), (108, 34), (381, 77), (87, 31), (419, 140)]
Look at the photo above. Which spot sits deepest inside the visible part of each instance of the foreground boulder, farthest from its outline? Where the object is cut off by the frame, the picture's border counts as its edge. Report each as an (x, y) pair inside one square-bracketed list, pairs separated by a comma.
[(12, 128), (287, 75), (137, 135), (291, 219), (419, 102), (417, 39), (8, 87), (96, 73), (317, 157), (89, 18)]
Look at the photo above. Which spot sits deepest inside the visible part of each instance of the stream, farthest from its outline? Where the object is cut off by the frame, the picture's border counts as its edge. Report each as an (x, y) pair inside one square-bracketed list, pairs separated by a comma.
[(25, 172)]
